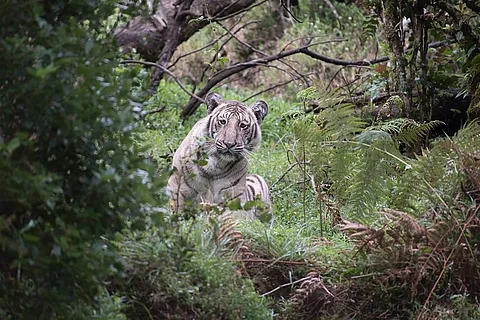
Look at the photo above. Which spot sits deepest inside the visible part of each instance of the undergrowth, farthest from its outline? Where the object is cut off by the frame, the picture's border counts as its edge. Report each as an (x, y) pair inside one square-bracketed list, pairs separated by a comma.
[(372, 218), (184, 275), (364, 226)]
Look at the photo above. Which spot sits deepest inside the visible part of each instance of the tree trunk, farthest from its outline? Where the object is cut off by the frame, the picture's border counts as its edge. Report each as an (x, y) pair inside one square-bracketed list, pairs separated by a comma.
[(157, 36), (393, 32)]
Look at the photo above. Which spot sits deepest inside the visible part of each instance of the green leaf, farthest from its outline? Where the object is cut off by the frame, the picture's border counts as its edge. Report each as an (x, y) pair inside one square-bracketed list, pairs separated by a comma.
[(201, 162), (13, 145), (250, 205), (43, 72), (235, 205)]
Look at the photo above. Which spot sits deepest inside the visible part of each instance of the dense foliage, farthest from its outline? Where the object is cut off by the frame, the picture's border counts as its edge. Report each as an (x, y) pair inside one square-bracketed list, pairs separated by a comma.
[(69, 170)]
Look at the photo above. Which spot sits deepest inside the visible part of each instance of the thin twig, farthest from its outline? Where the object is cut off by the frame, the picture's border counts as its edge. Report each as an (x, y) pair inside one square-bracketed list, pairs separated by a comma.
[(365, 63), (286, 285), (272, 261), (274, 87), (332, 7), (240, 40), (288, 170), (232, 36), (310, 38), (149, 112), (171, 74)]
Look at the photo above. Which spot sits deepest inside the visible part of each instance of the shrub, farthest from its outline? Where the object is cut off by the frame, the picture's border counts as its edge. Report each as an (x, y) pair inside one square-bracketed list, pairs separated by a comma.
[(68, 169), (188, 276)]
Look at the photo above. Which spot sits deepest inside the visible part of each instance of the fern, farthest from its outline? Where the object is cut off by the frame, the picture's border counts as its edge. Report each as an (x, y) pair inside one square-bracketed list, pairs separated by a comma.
[(408, 131), (356, 160), (434, 176), (370, 182), (430, 179), (369, 27)]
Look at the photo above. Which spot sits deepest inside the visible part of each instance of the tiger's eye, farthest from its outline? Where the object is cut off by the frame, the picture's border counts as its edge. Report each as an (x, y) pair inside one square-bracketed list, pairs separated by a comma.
[(243, 125), (222, 122)]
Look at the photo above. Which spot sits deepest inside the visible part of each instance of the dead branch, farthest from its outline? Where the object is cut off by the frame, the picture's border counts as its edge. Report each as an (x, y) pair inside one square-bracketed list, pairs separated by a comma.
[(219, 76), (149, 112), (233, 35), (332, 7), (165, 70), (272, 261), (338, 62), (286, 285), (260, 52), (290, 167), (310, 39), (193, 104), (281, 84)]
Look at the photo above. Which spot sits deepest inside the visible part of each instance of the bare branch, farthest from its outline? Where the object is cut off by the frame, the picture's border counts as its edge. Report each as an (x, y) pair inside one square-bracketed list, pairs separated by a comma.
[(286, 285), (339, 62), (197, 50), (171, 74), (332, 7), (263, 53), (193, 104), (361, 63), (309, 40), (241, 41), (274, 87), (149, 112), (218, 18)]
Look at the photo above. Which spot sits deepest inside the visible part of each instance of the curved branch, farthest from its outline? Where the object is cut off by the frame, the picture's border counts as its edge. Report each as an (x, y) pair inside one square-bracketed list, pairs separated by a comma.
[(338, 62), (218, 16), (193, 104)]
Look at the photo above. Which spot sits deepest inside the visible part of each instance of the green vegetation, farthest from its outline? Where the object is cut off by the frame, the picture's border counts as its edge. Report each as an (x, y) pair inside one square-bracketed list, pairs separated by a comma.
[(70, 172), (376, 211)]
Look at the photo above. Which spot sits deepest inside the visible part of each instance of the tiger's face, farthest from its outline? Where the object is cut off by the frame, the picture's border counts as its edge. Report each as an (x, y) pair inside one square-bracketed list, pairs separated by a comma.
[(233, 126)]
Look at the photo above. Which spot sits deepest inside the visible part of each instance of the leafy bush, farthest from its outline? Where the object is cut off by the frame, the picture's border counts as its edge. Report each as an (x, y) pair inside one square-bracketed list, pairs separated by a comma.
[(69, 171), (186, 277)]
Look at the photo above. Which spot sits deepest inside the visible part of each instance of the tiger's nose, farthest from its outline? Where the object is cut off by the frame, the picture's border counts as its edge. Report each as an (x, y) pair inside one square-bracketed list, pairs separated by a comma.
[(230, 144)]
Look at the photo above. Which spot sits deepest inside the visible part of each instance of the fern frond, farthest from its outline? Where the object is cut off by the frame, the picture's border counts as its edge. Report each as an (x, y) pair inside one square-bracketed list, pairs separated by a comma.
[(338, 122), (429, 180), (369, 27), (407, 130), (357, 230), (371, 179), (232, 238), (412, 132)]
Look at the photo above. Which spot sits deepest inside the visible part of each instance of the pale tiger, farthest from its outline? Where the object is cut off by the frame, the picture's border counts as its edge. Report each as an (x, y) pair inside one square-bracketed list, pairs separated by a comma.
[(211, 164)]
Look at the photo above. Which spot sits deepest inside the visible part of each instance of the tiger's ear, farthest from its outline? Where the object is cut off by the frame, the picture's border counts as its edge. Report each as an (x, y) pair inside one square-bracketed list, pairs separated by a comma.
[(213, 100), (260, 108)]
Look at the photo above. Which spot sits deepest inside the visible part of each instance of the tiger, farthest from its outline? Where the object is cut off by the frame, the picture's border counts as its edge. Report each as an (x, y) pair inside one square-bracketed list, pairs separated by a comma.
[(211, 164)]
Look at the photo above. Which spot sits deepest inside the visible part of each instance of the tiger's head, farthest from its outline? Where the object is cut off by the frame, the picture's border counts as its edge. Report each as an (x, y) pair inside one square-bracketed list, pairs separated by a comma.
[(233, 126)]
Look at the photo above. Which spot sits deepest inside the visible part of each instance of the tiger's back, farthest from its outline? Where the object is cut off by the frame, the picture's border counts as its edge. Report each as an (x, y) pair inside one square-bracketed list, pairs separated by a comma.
[(211, 164)]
